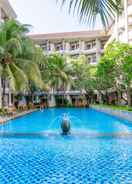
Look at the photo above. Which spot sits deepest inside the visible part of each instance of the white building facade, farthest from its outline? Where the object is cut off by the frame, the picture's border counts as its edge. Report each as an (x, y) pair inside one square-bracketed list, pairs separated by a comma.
[(88, 43), (6, 12), (121, 29), (72, 44)]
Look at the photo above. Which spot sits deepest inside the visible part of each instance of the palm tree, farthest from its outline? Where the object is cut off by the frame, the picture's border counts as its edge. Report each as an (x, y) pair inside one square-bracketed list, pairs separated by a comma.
[(17, 65), (10, 47), (57, 72), (90, 10)]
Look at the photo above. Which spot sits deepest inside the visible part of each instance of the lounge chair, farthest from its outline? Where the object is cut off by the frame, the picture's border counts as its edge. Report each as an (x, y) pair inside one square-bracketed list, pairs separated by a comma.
[(11, 111)]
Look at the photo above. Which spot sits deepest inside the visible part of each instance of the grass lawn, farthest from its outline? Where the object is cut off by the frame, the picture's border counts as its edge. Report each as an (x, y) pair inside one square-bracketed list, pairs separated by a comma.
[(116, 107)]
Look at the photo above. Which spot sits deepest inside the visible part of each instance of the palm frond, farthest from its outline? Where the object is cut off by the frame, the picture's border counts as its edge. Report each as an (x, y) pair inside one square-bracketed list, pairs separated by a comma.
[(1, 70), (90, 10), (2, 37), (32, 71), (21, 80), (11, 78), (14, 46)]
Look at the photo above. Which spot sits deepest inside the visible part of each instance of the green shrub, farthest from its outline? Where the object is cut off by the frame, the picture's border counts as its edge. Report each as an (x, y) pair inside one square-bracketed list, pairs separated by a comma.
[(69, 104), (2, 111)]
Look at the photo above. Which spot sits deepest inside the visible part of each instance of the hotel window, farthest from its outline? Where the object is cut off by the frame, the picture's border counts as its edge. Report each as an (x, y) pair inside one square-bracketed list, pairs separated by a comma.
[(58, 46), (74, 45), (5, 83), (3, 15), (89, 45), (44, 46), (91, 59), (48, 46), (93, 44), (75, 56), (88, 59), (103, 42), (94, 59)]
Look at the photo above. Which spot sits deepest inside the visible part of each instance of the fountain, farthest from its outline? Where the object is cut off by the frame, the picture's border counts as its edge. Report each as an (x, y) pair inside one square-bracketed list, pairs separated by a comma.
[(61, 124), (65, 125)]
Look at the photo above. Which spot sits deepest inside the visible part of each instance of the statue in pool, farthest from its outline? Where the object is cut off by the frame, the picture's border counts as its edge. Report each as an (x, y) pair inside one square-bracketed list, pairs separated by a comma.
[(65, 125)]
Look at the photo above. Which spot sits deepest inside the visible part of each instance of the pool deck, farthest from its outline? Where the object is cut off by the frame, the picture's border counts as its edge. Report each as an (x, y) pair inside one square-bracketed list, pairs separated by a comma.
[(4, 119), (126, 115)]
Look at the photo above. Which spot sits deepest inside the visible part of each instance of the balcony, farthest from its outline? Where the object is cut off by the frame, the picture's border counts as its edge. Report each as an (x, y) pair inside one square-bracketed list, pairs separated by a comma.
[(73, 52), (130, 35), (130, 22), (7, 90), (89, 51), (130, 10)]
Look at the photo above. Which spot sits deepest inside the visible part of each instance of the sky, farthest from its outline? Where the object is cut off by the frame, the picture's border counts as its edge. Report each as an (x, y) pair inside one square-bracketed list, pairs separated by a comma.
[(46, 16)]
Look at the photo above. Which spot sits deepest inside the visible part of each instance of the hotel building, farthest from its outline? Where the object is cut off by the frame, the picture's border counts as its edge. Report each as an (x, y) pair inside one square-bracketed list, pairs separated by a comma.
[(88, 43), (121, 28), (6, 12)]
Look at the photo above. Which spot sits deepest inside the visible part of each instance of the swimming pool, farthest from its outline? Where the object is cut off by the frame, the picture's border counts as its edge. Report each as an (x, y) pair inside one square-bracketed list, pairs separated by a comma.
[(73, 159), (83, 120)]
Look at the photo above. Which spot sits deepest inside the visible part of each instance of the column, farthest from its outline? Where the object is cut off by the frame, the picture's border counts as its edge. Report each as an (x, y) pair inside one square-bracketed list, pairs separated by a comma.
[(98, 49), (68, 97), (52, 48), (116, 27), (126, 20), (10, 101), (80, 45), (64, 45), (67, 46), (0, 94), (51, 101), (83, 45), (0, 14)]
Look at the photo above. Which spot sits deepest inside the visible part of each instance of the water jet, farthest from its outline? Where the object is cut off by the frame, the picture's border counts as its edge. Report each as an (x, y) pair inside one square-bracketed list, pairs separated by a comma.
[(65, 125)]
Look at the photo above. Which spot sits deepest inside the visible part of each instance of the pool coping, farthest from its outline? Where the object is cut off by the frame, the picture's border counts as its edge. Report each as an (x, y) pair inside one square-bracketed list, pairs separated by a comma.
[(122, 114), (5, 119), (73, 135)]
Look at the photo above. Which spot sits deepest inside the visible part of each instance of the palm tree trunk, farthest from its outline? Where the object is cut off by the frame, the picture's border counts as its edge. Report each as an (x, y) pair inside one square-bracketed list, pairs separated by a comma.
[(100, 97), (119, 96), (107, 97), (0, 93), (4, 92), (129, 96)]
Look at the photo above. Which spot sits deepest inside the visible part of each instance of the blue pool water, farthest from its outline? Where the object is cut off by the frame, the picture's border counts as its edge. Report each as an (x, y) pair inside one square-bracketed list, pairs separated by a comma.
[(73, 159), (82, 120)]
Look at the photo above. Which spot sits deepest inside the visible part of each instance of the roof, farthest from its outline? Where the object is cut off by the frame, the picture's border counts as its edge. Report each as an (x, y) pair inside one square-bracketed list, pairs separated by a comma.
[(6, 6), (68, 35)]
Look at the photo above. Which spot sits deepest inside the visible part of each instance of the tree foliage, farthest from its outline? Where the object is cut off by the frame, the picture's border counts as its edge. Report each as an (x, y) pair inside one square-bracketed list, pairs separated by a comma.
[(115, 68), (18, 65)]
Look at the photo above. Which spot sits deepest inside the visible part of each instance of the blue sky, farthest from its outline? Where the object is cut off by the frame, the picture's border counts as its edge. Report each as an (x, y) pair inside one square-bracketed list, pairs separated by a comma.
[(46, 16)]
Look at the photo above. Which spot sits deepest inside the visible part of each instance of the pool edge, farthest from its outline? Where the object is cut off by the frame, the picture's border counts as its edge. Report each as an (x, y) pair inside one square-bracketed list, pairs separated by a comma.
[(125, 115)]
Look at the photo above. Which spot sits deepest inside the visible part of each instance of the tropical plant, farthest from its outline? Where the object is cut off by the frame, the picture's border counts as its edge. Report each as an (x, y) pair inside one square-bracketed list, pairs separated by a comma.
[(80, 71), (90, 10), (115, 69), (58, 72), (17, 66)]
